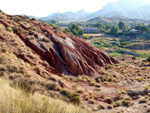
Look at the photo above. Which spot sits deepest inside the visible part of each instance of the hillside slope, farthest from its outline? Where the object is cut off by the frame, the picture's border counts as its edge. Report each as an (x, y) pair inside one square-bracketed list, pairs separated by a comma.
[(43, 60), (68, 16), (59, 52), (121, 7), (142, 12)]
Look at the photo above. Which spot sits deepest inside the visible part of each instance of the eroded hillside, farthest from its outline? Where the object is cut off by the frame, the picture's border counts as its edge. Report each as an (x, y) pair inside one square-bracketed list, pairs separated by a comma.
[(65, 53), (42, 58)]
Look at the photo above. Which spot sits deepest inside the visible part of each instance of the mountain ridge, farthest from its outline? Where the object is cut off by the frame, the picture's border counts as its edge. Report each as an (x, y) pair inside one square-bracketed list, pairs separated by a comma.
[(69, 15), (127, 8)]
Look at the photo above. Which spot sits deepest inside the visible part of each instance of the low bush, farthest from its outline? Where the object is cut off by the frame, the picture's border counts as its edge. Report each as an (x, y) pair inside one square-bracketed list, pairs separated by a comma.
[(110, 106), (12, 68), (142, 101), (45, 39), (76, 100), (109, 100), (74, 97), (24, 85), (92, 101), (101, 107), (80, 91), (53, 86)]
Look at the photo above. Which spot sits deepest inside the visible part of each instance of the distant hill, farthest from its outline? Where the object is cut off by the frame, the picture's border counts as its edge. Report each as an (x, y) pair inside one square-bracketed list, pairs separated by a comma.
[(127, 8), (68, 15), (142, 12), (121, 7), (116, 19)]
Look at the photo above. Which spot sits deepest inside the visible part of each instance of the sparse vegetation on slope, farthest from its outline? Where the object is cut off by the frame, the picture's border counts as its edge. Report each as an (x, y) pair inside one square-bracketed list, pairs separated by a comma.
[(14, 100)]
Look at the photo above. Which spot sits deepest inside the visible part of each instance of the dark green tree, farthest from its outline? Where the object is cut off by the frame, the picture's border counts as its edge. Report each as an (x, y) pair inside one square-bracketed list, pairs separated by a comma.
[(108, 26), (73, 26), (121, 25), (53, 21), (114, 30), (74, 29), (99, 26), (80, 32), (134, 58), (142, 28), (75, 32)]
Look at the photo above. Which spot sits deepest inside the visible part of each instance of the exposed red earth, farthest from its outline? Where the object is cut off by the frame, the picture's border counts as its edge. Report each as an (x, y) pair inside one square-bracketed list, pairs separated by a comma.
[(65, 53)]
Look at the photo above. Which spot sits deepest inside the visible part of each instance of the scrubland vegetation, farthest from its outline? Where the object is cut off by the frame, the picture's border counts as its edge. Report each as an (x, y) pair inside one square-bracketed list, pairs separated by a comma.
[(28, 87), (16, 100)]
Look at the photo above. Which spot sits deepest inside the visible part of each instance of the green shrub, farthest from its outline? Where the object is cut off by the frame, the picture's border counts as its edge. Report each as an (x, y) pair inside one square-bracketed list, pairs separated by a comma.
[(16, 30), (54, 26), (53, 86), (101, 107), (45, 40), (3, 68), (12, 68), (108, 67), (2, 60), (85, 37), (80, 91), (110, 106), (147, 87), (142, 101), (97, 89), (69, 94), (101, 79), (127, 103), (92, 101), (74, 97), (134, 58), (118, 103), (33, 19), (92, 83), (123, 59), (109, 100), (9, 29), (98, 85), (38, 70), (76, 100), (24, 85)]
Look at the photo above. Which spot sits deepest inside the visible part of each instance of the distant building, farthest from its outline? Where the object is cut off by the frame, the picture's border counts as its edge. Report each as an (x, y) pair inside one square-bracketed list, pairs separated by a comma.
[(133, 30), (90, 30)]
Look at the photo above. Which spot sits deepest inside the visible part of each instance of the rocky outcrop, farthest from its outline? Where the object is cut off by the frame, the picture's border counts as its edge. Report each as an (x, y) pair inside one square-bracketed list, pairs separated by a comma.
[(65, 53)]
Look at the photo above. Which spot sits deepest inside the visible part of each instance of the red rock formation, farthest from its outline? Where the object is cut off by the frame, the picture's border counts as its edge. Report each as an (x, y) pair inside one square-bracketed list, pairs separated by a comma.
[(64, 53)]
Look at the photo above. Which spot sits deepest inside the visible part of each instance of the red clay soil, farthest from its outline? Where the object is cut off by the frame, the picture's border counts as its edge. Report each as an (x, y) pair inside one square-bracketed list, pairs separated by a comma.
[(65, 53)]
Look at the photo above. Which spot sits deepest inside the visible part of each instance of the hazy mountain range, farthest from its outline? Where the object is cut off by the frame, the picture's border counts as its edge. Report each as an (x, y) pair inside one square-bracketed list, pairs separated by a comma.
[(127, 8), (68, 15)]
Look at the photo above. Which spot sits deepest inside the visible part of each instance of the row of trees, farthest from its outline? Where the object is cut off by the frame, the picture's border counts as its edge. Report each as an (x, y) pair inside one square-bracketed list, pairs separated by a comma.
[(74, 29), (119, 29), (114, 30)]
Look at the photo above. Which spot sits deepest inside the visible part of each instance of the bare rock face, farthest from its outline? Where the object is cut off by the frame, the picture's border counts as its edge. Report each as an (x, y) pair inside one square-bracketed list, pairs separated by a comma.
[(65, 53)]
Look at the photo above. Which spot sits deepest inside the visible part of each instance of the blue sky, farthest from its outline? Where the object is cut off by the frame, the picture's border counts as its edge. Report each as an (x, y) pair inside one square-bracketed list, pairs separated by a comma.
[(41, 8)]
